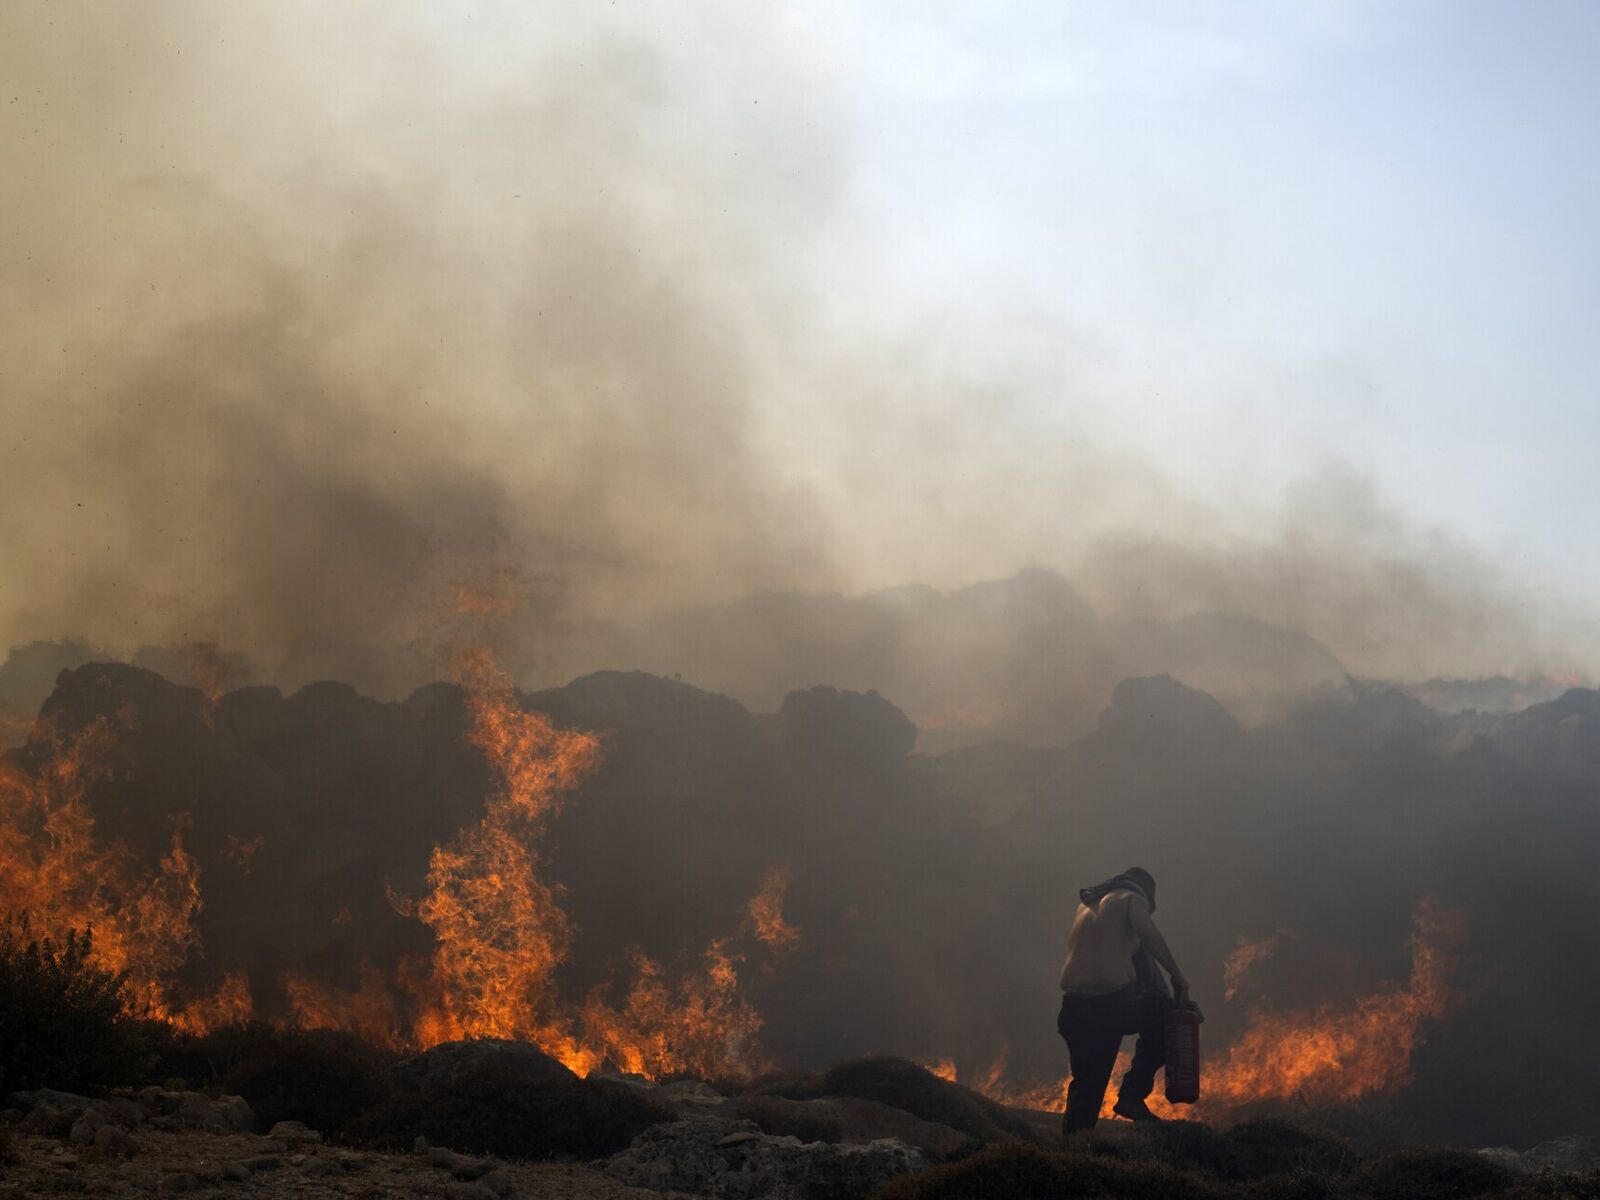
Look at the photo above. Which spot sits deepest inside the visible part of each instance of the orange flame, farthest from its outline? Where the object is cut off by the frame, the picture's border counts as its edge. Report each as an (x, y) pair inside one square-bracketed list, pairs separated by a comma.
[(64, 878), (1331, 1055), (500, 933), (766, 912), (1245, 956)]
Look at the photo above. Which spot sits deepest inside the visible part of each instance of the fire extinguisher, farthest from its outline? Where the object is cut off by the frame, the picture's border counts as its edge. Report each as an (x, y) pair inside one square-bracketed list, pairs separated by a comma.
[(1183, 1053)]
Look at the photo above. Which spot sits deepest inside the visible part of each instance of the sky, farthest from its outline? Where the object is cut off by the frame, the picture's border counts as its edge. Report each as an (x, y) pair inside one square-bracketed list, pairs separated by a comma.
[(312, 314), (1286, 235)]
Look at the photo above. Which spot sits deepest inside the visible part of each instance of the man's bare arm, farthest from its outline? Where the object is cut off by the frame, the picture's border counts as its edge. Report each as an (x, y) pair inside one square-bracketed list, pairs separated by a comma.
[(1150, 936)]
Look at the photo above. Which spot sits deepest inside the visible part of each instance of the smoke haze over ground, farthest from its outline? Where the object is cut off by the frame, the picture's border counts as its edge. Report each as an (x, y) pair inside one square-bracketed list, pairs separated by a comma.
[(313, 316)]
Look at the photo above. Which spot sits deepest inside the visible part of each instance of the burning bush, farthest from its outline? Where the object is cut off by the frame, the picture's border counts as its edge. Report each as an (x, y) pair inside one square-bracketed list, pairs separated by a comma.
[(323, 1077), (1016, 1171), (905, 1085), (64, 1022), (514, 1107)]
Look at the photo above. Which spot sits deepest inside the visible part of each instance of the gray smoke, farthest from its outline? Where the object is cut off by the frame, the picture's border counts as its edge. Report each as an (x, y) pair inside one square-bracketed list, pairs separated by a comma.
[(314, 315)]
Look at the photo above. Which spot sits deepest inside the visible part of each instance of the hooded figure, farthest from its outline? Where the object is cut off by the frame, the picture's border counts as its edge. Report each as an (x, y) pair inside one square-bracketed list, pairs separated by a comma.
[(1111, 988)]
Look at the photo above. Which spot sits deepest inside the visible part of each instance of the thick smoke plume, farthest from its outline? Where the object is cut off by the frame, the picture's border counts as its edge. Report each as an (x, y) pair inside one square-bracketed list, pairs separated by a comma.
[(313, 315)]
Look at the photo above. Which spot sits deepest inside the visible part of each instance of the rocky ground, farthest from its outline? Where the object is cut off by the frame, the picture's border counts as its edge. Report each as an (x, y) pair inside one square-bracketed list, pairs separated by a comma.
[(156, 1142), (164, 1142)]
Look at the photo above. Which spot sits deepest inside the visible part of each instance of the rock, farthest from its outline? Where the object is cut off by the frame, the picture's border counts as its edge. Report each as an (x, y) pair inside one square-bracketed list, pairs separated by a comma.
[(445, 1159), (459, 1165), (261, 1162), (734, 1160), (112, 1141), (237, 1172), (271, 1145), (180, 1181), (48, 1120), (122, 1111), (499, 1181), (294, 1133), (1562, 1156), (85, 1127), (315, 1167), (236, 1111), (194, 1110)]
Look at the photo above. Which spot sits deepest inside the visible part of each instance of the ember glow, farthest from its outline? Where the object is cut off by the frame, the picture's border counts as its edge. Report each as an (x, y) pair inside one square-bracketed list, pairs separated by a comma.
[(1245, 956)]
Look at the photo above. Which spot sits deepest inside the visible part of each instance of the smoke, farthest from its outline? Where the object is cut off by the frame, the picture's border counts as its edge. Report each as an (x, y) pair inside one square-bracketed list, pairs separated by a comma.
[(313, 315)]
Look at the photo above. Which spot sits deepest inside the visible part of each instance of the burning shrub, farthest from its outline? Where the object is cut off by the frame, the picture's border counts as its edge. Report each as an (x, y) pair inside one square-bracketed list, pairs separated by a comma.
[(1016, 1171), (1420, 1174), (323, 1077), (64, 1022), (789, 1118), (515, 1109), (905, 1085)]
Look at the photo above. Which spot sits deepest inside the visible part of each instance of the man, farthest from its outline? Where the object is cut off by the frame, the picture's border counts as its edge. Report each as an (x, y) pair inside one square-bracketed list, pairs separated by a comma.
[(1109, 989)]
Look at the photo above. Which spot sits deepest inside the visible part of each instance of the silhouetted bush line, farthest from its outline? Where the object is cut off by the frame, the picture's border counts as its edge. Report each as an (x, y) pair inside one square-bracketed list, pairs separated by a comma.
[(64, 1022)]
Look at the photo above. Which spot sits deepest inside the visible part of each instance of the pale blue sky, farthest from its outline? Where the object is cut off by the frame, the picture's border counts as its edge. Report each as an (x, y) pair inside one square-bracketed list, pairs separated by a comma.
[(1284, 234)]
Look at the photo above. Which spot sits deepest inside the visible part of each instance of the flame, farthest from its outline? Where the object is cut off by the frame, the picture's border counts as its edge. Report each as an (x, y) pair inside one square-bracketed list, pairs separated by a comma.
[(371, 1010), (1325, 1056), (61, 875), (766, 912), (213, 672), (1245, 956), (1333, 1055), (500, 933)]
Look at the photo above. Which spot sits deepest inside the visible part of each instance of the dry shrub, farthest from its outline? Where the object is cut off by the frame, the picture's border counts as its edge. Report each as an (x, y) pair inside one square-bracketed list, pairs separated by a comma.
[(64, 1022), (905, 1085), (1016, 1171), (513, 1111), (1425, 1174), (789, 1118)]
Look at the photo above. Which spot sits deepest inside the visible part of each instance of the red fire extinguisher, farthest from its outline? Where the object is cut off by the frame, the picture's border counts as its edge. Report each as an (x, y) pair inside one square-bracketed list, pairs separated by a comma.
[(1183, 1053)]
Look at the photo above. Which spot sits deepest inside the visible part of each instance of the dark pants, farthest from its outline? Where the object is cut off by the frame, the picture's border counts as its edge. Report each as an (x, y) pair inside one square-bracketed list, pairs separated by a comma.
[(1094, 1027)]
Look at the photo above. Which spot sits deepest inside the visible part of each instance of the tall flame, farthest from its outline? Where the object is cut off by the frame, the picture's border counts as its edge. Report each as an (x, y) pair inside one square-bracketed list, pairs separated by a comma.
[(766, 912), (63, 877), (500, 933)]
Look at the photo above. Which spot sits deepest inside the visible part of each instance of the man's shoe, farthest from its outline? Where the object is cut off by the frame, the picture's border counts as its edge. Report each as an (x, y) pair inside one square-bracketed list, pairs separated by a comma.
[(1134, 1110)]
